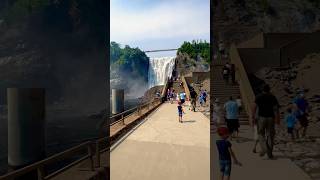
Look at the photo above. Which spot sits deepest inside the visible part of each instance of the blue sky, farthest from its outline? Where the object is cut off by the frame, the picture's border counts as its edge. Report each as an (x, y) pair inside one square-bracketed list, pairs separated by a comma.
[(159, 24)]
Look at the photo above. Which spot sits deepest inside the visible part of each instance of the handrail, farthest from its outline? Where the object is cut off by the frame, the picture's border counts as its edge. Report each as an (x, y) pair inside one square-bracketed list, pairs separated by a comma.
[(186, 88), (138, 108), (246, 91), (39, 166)]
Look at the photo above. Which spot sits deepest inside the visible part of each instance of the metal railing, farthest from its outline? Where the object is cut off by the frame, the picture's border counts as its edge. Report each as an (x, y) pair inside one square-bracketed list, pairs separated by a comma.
[(93, 150), (131, 111)]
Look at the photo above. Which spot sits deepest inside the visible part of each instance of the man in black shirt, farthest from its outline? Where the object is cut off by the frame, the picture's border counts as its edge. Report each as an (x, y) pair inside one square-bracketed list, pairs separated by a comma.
[(268, 115), (193, 96)]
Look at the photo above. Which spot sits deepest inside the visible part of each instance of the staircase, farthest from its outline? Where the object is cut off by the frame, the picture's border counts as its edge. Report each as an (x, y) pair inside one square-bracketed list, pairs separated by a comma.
[(177, 88), (223, 91)]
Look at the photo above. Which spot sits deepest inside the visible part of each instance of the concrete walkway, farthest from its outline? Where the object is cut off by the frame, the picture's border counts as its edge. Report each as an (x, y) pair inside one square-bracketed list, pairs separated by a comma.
[(255, 167), (162, 148)]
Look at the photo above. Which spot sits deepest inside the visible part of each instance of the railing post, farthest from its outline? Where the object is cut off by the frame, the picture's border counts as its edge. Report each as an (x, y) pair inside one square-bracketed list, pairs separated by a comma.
[(122, 118), (90, 157), (98, 153), (41, 173)]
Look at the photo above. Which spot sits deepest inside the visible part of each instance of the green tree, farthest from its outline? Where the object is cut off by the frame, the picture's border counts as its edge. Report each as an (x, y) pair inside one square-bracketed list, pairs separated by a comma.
[(196, 48), (131, 61)]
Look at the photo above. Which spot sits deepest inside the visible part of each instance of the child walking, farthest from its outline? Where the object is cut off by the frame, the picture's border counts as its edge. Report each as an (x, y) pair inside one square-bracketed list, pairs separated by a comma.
[(291, 122), (225, 153), (180, 111)]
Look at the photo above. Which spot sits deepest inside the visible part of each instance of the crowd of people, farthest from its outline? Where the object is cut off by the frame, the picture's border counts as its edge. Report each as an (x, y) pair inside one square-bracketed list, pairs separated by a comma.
[(180, 98), (265, 116)]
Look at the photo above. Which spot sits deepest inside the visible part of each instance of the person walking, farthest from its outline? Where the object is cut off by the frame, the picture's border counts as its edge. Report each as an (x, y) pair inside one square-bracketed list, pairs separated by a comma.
[(231, 108), (225, 154), (301, 108), (268, 116), (233, 73), (291, 123), (193, 96), (225, 73), (204, 97)]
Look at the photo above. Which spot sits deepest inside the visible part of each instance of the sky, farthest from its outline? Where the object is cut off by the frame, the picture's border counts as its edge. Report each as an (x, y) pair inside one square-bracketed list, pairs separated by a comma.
[(159, 24)]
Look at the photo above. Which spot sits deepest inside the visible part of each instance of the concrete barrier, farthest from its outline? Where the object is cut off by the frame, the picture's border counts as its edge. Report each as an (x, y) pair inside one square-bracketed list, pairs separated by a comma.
[(246, 91), (26, 126), (117, 101), (186, 88)]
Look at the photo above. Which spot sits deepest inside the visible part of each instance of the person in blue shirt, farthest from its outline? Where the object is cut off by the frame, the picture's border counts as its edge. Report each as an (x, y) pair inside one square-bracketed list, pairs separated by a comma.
[(291, 122), (182, 97), (232, 112), (204, 96), (301, 107), (225, 153)]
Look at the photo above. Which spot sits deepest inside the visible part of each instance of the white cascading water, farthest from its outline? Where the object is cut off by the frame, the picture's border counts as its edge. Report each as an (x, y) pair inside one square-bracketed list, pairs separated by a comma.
[(159, 70)]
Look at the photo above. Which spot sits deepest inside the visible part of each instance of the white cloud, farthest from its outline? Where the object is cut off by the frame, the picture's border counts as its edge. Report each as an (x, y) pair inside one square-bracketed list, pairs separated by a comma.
[(170, 19)]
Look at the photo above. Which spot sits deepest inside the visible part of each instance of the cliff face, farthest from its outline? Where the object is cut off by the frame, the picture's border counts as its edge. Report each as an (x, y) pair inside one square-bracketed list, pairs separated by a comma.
[(239, 20), (59, 46)]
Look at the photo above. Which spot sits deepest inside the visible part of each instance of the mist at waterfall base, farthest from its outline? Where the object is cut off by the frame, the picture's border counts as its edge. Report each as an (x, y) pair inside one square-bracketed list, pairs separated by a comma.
[(159, 69)]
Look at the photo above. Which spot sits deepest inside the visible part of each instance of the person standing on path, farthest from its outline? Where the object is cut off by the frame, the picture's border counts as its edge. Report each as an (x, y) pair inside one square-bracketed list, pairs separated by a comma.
[(180, 111), (231, 108), (268, 115)]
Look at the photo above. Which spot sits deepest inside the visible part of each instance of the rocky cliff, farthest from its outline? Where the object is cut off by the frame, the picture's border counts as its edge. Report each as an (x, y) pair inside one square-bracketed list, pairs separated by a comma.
[(238, 20), (56, 45)]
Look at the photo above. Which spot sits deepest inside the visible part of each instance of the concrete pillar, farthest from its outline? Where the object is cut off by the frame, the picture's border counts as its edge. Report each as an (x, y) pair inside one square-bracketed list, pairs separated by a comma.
[(117, 101), (26, 126)]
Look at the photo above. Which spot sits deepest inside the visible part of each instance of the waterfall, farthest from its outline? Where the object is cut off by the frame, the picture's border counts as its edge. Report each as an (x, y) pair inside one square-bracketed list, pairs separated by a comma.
[(159, 70)]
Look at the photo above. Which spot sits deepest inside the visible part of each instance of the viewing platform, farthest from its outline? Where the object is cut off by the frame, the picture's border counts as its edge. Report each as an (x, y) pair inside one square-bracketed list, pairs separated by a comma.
[(162, 148)]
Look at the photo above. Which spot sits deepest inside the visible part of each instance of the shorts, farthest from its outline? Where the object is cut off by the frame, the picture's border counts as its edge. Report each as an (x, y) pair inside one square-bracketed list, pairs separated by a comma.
[(290, 130), (225, 167), (233, 125), (180, 114), (182, 101)]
